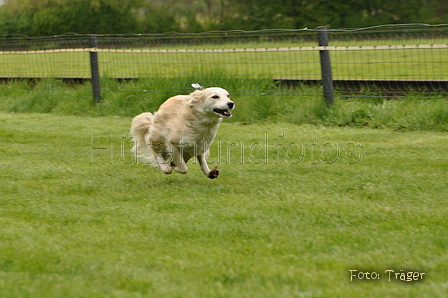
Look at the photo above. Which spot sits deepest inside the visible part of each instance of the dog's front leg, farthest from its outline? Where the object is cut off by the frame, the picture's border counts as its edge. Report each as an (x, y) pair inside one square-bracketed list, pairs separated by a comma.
[(212, 174)]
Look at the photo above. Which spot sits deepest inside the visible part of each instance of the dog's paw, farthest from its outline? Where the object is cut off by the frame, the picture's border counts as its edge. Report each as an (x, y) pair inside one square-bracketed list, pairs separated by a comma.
[(165, 168), (214, 173)]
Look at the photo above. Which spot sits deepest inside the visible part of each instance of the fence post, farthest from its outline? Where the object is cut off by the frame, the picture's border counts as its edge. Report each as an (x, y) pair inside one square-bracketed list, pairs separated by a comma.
[(94, 69), (325, 65)]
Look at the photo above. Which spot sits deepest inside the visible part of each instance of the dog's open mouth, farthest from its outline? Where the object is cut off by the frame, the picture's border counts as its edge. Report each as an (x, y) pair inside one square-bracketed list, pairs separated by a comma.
[(224, 113)]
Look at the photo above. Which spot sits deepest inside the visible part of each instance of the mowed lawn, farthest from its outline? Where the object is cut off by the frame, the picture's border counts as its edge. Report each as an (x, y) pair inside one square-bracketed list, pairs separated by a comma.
[(79, 218)]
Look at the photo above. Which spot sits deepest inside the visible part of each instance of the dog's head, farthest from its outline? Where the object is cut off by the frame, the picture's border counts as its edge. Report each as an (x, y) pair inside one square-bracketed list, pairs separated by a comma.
[(214, 101)]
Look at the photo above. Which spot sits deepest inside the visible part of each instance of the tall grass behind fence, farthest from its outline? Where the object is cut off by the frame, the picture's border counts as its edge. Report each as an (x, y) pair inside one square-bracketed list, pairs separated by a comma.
[(400, 57)]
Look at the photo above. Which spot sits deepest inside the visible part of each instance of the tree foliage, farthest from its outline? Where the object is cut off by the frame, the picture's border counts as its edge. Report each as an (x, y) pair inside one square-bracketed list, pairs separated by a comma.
[(51, 17)]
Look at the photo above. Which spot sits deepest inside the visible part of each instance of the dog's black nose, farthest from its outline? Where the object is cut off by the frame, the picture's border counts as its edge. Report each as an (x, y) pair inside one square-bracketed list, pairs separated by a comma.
[(230, 105)]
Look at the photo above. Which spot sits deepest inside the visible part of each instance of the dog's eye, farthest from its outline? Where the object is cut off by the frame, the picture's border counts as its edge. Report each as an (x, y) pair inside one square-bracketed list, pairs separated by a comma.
[(215, 96)]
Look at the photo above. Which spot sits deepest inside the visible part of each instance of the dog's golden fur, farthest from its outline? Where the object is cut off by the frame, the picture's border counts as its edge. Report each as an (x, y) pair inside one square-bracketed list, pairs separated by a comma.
[(183, 127)]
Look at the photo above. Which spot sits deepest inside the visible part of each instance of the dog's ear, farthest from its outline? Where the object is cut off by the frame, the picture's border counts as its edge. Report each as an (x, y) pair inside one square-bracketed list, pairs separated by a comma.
[(195, 98)]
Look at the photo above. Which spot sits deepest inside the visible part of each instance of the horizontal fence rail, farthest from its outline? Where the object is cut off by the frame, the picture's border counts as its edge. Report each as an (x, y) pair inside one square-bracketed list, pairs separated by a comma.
[(395, 59), (242, 50)]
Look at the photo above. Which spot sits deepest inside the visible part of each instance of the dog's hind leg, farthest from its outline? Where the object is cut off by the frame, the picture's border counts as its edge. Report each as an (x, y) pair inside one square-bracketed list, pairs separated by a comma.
[(178, 163), (159, 156), (212, 174), (164, 166)]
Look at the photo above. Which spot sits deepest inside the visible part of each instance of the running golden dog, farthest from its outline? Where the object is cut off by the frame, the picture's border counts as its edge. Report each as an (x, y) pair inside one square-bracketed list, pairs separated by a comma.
[(183, 127)]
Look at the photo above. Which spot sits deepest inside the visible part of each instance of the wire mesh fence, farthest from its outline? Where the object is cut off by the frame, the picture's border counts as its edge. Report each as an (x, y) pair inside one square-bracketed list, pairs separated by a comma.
[(395, 58)]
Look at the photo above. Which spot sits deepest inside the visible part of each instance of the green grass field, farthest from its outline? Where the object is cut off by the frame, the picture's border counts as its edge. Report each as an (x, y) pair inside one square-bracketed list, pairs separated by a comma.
[(289, 220), (306, 193)]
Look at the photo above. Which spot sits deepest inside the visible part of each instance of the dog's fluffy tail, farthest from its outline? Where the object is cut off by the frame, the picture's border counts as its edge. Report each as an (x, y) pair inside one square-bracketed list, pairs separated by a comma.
[(139, 129)]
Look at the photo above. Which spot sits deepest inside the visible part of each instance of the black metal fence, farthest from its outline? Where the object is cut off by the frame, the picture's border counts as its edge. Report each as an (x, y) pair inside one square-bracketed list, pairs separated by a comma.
[(393, 58)]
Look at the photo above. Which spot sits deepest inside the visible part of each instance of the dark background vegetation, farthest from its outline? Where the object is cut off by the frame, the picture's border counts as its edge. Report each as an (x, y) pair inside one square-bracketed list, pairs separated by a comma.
[(52, 17)]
